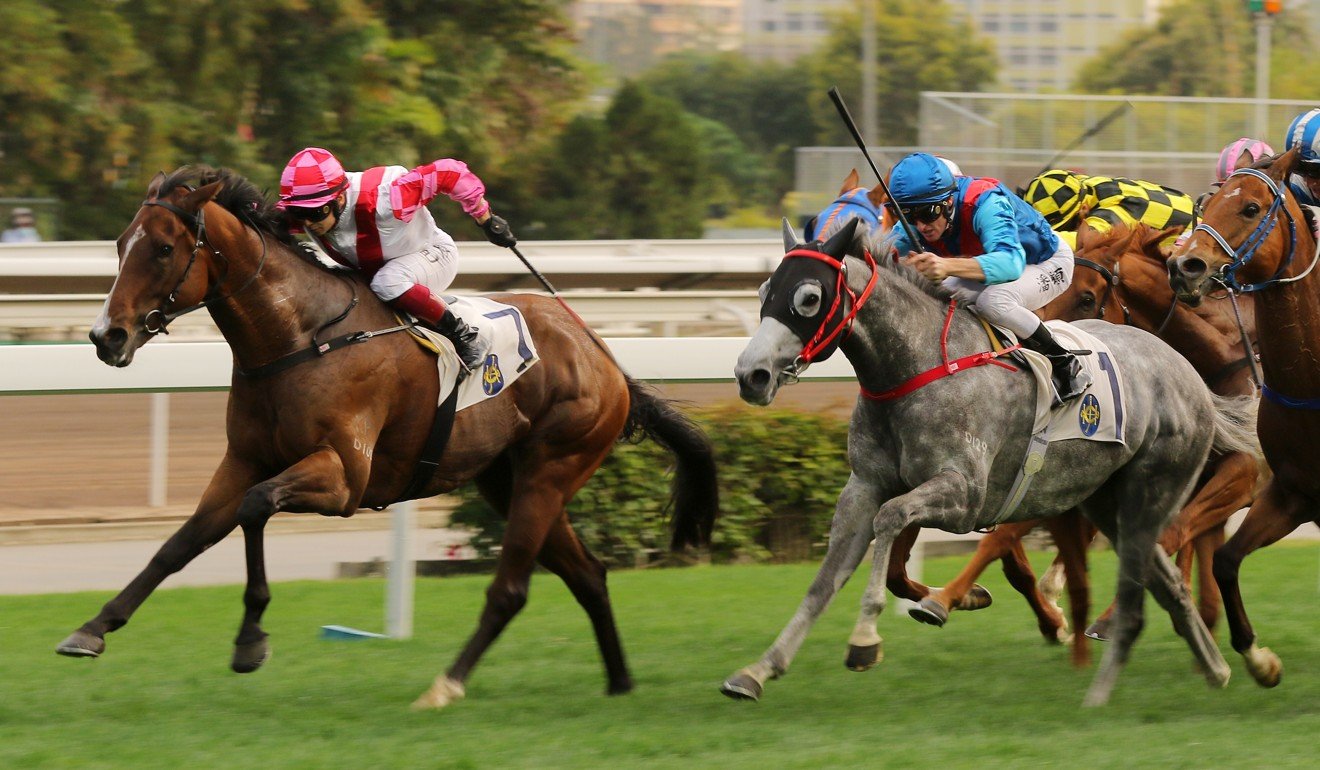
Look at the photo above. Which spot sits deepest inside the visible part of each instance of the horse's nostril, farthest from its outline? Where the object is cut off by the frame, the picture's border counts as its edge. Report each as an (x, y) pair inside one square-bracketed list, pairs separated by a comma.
[(114, 338), (758, 378), (1192, 266)]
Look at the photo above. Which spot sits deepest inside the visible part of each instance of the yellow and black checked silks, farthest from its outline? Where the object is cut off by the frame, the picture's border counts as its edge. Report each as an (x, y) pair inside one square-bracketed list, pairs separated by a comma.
[(1060, 195)]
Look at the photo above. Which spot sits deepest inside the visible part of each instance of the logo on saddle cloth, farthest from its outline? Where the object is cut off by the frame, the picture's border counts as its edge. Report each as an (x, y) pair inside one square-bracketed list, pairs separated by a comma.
[(1088, 415), (492, 379)]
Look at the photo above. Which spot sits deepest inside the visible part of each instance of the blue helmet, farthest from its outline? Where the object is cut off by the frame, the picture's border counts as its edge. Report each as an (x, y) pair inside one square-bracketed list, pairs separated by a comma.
[(922, 178), (1304, 132)]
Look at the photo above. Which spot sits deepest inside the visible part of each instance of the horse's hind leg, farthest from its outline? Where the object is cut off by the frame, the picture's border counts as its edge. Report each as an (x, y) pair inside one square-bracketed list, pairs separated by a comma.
[(215, 517), (1072, 534), (1170, 590), (1274, 514), (584, 574), (315, 484)]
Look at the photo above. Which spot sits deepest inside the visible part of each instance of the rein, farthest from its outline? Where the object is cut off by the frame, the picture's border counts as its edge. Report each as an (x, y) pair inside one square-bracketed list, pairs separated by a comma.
[(945, 369), (1111, 281)]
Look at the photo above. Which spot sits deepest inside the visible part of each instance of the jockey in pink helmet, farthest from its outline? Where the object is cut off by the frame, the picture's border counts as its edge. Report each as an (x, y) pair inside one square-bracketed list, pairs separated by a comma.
[(376, 221), (1239, 153)]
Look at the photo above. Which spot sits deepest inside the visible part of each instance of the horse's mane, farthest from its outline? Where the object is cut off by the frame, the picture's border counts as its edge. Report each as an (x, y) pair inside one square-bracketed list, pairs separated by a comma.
[(881, 244), (238, 196)]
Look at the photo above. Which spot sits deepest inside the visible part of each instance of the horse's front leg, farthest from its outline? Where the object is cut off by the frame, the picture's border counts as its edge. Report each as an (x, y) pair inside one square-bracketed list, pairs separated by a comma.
[(941, 499), (215, 517), (318, 483), (850, 534)]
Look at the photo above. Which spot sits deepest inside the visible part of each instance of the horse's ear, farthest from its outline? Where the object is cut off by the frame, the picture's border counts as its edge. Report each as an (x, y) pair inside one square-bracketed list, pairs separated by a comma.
[(850, 182), (153, 188), (837, 245), (790, 237), (876, 195), (1283, 165), (1152, 241), (194, 200), (1084, 234)]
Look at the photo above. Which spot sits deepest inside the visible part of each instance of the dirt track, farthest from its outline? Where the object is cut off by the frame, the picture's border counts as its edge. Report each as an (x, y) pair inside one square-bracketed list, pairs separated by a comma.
[(65, 453)]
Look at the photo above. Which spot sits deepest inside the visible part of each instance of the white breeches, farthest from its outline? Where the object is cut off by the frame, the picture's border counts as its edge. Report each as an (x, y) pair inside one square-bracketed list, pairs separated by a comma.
[(1010, 304), (433, 267)]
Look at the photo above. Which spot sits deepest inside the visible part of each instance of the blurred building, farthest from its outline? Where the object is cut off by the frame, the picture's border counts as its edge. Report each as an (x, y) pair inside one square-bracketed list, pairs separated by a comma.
[(631, 35), (783, 30), (1043, 43)]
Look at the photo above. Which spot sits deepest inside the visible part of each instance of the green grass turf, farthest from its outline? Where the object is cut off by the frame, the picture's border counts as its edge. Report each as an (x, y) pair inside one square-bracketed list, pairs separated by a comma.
[(984, 691)]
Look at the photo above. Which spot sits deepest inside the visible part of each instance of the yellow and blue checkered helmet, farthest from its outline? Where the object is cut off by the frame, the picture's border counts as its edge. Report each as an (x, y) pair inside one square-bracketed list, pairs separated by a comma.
[(1057, 195)]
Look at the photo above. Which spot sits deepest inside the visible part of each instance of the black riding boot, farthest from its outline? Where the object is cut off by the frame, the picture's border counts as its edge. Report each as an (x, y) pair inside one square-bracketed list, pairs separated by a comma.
[(464, 338), (1069, 379)]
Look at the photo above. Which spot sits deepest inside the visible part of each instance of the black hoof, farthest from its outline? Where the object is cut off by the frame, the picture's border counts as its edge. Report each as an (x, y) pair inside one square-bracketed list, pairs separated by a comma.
[(620, 688), (249, 657), (929, 611), (81, 644), (1099, 630), (977, 598), (863, 658), (741, 687)]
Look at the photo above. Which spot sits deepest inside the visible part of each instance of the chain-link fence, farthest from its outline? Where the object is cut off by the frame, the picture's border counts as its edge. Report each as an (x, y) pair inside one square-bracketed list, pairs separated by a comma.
[(1173, 141)]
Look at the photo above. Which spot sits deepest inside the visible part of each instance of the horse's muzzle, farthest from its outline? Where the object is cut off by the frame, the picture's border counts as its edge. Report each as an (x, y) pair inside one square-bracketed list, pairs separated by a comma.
[(1187, 276), (112, 345), (756, 386)]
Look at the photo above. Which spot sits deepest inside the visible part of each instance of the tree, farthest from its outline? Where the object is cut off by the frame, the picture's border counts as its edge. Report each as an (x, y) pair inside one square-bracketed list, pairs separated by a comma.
[(919, 47), (1155, 60)]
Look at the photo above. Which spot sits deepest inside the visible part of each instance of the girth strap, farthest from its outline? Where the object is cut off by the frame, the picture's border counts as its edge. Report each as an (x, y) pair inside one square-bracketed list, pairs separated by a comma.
[(436, 441)]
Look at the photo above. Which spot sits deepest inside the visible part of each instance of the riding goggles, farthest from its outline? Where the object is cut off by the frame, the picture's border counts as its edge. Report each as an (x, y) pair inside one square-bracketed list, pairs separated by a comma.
[(310, 215), (925, 213)]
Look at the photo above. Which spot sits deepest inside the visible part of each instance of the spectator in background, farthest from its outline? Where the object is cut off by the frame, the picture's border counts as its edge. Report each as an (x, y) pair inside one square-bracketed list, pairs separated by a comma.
[(22, 228)]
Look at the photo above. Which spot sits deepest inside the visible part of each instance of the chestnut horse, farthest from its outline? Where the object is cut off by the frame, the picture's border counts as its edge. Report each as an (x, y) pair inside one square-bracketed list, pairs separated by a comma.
[(344, 430), (1256, 238)]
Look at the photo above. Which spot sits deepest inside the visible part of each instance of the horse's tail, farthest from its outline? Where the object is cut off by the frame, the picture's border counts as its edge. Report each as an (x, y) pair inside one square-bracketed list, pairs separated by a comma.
[(1235, 425), (694, 497)]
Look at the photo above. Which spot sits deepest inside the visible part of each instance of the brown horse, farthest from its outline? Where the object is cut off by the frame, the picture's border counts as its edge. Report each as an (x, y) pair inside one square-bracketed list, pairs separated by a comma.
[(1256, 238), (1120, 277), (344, 430)]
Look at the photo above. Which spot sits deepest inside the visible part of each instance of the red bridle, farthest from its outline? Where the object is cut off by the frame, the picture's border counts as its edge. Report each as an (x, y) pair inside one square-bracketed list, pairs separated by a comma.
[(823, 339)]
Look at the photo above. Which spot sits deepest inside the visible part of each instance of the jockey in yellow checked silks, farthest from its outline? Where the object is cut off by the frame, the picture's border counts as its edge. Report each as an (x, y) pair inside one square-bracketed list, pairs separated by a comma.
[(1065, 199)]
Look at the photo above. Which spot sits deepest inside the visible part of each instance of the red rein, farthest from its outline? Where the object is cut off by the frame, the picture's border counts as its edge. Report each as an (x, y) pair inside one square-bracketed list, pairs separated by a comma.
[(821, 340)]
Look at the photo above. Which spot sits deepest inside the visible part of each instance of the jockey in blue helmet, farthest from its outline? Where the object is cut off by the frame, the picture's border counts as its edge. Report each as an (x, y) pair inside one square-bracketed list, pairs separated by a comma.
[(991, 249), (1304, 134)]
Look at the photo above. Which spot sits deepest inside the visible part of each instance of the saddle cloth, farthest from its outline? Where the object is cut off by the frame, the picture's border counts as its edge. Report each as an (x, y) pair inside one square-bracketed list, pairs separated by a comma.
[(1097, 414), (501, 332)]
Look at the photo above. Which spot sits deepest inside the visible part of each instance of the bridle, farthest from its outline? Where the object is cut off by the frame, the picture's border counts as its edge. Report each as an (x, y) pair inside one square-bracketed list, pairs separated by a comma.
[(157, 320), (825, 338), (1227, 274), (1112, 279)]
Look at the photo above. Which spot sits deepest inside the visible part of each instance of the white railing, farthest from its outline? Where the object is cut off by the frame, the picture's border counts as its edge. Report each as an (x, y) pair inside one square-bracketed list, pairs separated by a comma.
[(89, 266)]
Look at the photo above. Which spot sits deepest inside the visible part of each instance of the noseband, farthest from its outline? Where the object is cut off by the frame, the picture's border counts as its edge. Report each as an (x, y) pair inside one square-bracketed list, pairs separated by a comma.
[(1227, 274), (156, 321)]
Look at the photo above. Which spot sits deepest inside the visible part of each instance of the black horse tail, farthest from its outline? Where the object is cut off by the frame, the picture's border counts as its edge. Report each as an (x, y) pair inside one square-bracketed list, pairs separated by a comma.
[(695, 496)]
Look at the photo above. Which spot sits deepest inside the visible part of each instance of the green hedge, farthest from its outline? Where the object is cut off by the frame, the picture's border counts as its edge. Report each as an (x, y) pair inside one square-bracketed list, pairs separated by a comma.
[(780, 474)]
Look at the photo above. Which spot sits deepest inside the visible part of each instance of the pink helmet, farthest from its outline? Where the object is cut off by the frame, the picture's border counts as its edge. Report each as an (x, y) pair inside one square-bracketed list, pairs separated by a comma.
[(312, 178), (1228, 157)]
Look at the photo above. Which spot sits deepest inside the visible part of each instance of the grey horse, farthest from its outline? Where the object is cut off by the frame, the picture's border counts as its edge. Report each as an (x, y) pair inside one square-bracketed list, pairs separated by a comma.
[(945, 455)]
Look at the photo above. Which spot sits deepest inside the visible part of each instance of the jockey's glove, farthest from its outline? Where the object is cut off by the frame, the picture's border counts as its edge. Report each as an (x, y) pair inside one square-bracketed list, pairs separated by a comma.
[(498, 232)]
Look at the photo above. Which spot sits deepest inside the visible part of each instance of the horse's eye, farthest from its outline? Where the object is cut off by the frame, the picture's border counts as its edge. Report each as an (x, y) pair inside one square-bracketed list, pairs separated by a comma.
[(1088, 300), (165, 250), (806, 300), (1250, 210)]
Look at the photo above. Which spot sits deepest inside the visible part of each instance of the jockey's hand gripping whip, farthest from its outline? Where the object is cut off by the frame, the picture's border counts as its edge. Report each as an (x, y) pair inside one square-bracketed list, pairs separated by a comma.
[(837, 98)]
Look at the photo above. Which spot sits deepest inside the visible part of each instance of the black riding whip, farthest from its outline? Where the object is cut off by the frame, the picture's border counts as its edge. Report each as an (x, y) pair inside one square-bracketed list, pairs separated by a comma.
[(550, 288), (837, 98)]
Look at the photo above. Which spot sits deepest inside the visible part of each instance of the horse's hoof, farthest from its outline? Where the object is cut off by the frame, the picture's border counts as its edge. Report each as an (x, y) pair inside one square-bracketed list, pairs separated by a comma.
[(929, 611), (619, 688), (444, 692), (742, 686), (1263, 665), (1099, 630), (249, 657), (863, 657), (81, 644), (978, 598)]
